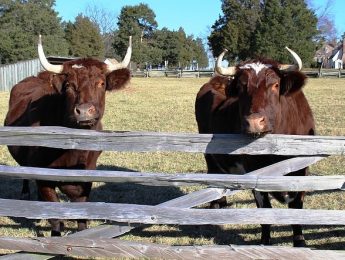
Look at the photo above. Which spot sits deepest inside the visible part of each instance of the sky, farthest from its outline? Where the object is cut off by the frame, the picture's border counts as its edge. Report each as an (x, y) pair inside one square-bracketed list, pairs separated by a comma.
[(195, 16)]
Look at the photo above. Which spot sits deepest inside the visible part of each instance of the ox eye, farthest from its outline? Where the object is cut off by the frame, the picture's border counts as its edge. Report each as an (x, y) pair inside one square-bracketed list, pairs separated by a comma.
[(101, 84), (275, 87)]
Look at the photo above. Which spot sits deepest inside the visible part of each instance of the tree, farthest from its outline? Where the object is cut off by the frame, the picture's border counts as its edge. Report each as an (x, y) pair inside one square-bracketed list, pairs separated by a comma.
[(286, 23), (234, 29), (84, 38), (106, 22), (139, 22), (200, 53), (325, 25), (167, 41), (153, 46), (250, 28), (21, 23)]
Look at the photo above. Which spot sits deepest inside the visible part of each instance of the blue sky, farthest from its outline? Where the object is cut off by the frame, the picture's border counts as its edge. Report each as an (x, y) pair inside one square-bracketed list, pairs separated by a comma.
[(195, 16)]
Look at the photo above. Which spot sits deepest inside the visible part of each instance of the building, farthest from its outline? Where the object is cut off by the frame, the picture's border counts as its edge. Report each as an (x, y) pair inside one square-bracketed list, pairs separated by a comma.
[(330, 56)]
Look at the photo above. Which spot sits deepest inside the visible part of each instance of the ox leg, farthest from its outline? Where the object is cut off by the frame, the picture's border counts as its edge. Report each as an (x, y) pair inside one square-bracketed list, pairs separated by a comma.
[(47, 192), (78, 192), (298, 238), (262, 201), (212, 167), (25, 194), (218, 204)]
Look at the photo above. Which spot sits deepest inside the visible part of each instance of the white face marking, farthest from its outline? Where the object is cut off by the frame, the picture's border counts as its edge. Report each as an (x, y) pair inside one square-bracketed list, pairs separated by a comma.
[(75, 66), (257, 67)]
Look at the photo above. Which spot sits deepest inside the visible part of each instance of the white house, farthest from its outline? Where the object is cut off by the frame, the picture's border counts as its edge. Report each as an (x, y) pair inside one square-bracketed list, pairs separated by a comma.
[(331, 56), (337, 58)]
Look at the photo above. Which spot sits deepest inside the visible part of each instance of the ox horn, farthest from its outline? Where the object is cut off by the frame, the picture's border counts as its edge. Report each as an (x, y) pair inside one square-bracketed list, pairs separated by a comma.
[(229, 71), (297, 62), (44, 62), (126, 59)]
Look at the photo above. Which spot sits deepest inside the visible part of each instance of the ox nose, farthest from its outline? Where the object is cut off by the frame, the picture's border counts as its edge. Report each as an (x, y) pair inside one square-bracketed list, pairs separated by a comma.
[(256, 124), (84, 112)]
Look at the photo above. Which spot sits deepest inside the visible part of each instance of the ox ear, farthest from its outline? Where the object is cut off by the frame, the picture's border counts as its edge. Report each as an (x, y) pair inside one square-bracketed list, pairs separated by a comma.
[(57, 81), (291, 82), (118, 79), (231, 89)]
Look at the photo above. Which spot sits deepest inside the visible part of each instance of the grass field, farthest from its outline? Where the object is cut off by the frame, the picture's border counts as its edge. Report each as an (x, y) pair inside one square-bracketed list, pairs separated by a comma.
[(165, 104)]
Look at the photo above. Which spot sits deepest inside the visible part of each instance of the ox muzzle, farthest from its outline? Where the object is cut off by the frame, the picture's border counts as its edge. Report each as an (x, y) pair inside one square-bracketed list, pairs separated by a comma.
[(257, 125), (86, 114)]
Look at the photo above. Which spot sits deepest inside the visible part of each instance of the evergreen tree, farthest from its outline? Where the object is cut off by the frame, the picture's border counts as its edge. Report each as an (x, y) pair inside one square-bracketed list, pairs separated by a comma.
[(21, 23), (249, 28), (152, 46), (167, 41), (234, 30), (286, 23), (84, 38), (139, 22), (200, 53)]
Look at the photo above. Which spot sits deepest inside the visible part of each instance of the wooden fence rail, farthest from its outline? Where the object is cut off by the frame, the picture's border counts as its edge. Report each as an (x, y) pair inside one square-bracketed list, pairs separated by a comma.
[(60, 137), (97, 241), (259, 183), (120, 249), (143, 214)]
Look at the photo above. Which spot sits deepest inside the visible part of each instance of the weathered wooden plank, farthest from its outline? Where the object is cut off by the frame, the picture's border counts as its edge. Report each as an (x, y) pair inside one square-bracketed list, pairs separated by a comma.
[(26, 256), (118, 249), (117, 228), (132, 213), (66, 138), (190, 200), (200, 197), (260, 183)]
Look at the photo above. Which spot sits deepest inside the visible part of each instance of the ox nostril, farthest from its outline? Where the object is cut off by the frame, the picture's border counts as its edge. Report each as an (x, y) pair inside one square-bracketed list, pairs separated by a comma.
[(91, 110), (261, 120), (77, 111)]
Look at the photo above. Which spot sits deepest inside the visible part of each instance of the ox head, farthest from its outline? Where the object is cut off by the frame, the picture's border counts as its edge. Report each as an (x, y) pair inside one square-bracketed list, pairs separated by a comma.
[(261, 87), (83, 83)]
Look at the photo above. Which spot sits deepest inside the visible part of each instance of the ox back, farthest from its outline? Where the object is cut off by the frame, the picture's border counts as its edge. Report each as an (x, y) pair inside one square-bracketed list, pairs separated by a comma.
[(69, 95), (258, 99)]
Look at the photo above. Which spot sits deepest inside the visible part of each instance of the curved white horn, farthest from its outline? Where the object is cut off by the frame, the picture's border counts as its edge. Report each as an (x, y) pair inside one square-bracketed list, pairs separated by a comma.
[(126, 60), (229, 71), (297, 62), (44, 62)]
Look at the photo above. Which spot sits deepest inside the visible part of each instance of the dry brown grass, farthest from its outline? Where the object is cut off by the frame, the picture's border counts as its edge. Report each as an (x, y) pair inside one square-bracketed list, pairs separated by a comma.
[(168, 105)]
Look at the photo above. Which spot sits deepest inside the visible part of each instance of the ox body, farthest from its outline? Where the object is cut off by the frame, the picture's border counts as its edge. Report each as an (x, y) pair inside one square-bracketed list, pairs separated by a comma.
[(69, 95), (260, 97)]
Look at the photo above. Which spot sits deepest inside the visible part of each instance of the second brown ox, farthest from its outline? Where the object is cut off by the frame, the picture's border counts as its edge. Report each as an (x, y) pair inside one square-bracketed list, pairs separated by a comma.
[(262, 96), (69, 95)]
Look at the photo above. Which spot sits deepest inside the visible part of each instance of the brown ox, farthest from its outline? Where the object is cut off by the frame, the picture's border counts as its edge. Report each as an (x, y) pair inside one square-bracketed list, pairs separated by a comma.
[(70, 95), (261, 97)]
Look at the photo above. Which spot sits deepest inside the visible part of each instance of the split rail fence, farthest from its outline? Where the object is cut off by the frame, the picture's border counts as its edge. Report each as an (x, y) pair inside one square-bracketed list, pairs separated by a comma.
[(101, 241)]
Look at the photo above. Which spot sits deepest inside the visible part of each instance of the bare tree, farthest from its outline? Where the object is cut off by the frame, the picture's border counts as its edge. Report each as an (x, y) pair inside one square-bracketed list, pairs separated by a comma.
[(326, 24), (106, 22)]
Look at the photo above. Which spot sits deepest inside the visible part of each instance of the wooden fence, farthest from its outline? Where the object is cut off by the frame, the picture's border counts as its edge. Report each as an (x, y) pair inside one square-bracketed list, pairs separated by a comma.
[(173, 73), (321, 73), (11, 74), (101, 241)]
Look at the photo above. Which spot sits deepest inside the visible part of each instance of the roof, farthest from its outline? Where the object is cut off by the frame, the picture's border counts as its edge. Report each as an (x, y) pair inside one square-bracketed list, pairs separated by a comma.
[(59, 60)]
